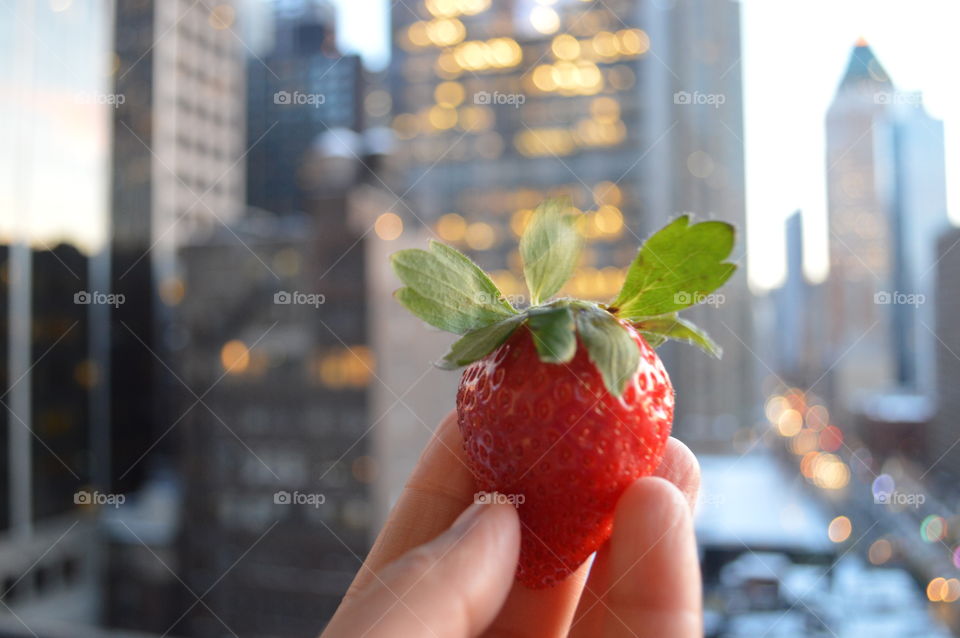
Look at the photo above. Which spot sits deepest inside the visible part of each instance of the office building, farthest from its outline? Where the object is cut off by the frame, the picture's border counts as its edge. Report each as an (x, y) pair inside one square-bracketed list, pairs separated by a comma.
[(630, 109), (299, 88), (178, 172), (943, 451), (886, 206)]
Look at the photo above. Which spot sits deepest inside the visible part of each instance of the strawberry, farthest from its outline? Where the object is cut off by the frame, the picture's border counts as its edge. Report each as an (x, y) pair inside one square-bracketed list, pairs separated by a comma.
[(563, 404)]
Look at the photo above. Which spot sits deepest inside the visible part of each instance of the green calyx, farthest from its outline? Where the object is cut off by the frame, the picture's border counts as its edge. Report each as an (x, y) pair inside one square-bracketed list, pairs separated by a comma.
[(677, 267)]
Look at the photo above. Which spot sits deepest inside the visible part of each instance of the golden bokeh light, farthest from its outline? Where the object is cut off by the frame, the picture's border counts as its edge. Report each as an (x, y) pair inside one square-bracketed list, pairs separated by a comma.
[(936, 588), (480, 236), (454, 8), (234, 357), (632, 42), (789, 422), (442, 117), (519, 220), (608, 219), (565, 47), (451, 227), (839, 529), (448, 94), (388, 226), (344, 367)]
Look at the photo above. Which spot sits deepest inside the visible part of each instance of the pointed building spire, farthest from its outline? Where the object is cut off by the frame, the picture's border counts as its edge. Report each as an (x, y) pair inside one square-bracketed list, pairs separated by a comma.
[(864, 68)]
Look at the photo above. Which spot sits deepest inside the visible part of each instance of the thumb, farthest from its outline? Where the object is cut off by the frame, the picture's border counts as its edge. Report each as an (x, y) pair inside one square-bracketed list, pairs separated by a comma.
[(451, 587)]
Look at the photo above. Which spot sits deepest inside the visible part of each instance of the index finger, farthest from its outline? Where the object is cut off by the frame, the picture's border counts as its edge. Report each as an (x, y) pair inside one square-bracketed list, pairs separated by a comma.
[(439, 488)]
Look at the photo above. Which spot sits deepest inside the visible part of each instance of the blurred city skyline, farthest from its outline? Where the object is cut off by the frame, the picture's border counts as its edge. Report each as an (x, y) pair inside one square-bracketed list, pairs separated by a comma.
[(785, 100), (794, 56)]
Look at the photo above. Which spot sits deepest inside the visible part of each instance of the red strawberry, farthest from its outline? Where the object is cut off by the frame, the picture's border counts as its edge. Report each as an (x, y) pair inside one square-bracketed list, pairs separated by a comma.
[(565, 403), (553, 434)]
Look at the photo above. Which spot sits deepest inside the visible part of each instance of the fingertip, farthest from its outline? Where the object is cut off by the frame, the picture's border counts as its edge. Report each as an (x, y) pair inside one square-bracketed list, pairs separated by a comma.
[(653, 501), (680, 466)]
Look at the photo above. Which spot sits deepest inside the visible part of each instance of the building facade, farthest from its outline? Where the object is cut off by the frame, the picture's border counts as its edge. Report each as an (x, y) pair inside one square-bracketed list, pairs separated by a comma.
[(630, 109), (300, 87), (886, 206)]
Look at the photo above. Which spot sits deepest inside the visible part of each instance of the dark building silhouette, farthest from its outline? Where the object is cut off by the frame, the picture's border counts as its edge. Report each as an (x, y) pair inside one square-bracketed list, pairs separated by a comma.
[(273, 335), (298, 89), (943, 451)]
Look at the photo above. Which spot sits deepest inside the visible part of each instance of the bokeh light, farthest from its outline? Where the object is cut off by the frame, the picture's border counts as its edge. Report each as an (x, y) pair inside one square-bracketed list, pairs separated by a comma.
[(775, 407), (933, 528), (880, 551), (883, 487), (935, 589), (234, 356), (388, 226), (817, 417), (790, 422), (831, 438), (839, 529)]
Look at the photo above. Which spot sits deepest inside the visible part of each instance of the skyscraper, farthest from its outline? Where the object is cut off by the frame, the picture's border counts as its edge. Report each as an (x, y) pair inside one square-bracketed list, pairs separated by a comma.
[(791, 308), (630, 109), (276, 459), (886, 205), (53, 226), (299, 88), (178, 171), (943, 454)]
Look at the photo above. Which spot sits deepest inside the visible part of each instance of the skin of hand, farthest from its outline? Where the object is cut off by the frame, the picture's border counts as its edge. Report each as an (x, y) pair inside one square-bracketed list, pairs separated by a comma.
[(443, 567)]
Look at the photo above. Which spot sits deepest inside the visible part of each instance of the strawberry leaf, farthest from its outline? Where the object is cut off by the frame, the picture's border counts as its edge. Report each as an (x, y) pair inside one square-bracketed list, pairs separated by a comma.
[(610, 346), (675, 268), (659, 329), (554, 334), (447, 290), (478, 343), (550, 247)]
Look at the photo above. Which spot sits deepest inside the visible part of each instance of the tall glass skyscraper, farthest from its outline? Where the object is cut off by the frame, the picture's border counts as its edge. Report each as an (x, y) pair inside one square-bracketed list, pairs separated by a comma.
[(887, 206)]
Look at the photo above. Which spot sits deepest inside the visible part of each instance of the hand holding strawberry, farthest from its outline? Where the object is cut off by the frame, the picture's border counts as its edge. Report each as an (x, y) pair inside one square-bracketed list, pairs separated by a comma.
[(565, 403)]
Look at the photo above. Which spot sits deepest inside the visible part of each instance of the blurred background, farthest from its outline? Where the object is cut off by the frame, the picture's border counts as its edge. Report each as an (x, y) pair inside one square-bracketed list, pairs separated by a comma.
[(210, 399)]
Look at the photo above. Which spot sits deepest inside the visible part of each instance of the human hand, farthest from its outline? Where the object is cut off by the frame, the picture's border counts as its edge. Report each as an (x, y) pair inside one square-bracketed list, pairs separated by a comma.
[(443, 567)]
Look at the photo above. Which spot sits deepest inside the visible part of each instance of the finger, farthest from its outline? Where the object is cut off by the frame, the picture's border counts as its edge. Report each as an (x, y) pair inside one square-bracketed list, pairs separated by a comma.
[(451, 587), (438, 490), (652, 566), (680, 467), (540, 613)]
